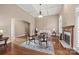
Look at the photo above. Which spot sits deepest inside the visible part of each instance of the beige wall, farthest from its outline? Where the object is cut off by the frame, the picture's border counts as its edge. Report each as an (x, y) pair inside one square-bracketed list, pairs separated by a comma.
[(5, 25), (19, 28), (68, 14), (47, 23), (7, 12)]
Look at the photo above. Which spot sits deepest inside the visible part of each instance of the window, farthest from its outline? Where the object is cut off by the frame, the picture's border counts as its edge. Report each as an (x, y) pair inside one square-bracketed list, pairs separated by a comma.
[(60, 24)]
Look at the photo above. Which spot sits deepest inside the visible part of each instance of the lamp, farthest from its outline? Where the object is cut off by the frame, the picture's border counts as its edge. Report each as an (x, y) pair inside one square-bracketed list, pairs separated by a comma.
[(1, 32), (53, 29), (54, 32), (40, 13)]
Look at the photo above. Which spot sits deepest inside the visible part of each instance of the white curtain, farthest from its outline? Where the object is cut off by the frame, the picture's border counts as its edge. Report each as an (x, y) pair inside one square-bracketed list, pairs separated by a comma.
[(76, 30), (60, 24)]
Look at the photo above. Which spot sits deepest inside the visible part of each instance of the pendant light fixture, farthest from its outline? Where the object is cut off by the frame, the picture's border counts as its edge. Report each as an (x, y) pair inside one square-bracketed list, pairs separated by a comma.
[(40, 13)]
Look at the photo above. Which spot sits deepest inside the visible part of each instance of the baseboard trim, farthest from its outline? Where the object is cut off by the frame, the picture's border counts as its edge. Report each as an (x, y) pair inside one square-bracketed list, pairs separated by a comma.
[(22, 35)]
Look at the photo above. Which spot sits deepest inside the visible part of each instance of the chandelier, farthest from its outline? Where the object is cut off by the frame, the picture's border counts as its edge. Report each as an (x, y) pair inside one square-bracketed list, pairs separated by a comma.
[(40, 13)]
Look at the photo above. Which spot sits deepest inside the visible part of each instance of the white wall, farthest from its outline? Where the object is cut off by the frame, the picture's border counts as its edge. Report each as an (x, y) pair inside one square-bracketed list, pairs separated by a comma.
[(68, 14), (47, 23)]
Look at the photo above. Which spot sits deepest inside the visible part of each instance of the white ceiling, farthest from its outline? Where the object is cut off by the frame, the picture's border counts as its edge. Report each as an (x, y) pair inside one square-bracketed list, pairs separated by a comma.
[(46, 9)]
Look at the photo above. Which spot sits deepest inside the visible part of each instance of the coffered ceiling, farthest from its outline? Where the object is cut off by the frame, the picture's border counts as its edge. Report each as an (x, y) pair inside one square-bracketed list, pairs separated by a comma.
[(46, 9)]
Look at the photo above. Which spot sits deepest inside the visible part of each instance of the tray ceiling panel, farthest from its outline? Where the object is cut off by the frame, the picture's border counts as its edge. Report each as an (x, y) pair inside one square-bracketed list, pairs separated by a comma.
[(46, 9)]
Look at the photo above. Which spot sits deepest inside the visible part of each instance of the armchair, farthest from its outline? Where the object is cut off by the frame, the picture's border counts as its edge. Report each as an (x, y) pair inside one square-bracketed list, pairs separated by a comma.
[(3, 41)]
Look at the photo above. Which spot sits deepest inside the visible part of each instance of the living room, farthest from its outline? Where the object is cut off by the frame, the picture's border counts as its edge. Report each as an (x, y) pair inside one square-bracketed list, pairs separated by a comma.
[(20, 21)]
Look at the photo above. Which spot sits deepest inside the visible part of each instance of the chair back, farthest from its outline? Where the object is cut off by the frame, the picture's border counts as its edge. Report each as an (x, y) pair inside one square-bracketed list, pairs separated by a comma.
[(1, 36)]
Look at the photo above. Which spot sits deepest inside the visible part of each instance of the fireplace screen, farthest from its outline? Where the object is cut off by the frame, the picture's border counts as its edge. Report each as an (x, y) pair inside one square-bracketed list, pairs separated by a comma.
[(67, 38)]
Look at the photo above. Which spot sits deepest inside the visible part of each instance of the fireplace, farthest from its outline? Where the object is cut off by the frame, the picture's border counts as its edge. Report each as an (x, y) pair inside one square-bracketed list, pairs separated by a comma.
[(67, 38), (68, 35)]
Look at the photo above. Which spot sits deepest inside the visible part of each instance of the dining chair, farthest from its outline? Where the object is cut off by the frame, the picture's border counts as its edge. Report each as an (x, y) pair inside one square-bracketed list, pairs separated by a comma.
[(43, 38)]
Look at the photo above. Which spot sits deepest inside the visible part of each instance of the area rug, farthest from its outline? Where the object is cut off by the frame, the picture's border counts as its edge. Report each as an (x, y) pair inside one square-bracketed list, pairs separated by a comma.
[(35, 46)]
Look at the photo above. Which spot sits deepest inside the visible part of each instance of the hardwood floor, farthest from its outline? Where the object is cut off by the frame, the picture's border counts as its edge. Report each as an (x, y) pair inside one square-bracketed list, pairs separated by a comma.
[(17, 50), (14, 49), (60, 50)]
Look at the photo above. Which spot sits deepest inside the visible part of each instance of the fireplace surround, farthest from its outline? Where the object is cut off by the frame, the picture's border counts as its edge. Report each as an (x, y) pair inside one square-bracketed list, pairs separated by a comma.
[(67, 38), (68, 35)]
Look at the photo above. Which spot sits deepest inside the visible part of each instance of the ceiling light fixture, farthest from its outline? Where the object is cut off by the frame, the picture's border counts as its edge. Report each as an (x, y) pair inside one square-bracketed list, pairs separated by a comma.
[(40, 13)]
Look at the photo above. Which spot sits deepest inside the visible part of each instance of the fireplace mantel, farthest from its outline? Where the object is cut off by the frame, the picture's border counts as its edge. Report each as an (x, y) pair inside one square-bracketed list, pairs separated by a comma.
[(69, 29)]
